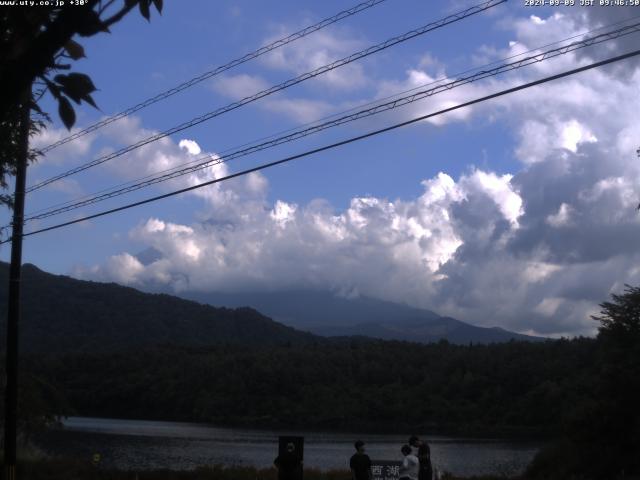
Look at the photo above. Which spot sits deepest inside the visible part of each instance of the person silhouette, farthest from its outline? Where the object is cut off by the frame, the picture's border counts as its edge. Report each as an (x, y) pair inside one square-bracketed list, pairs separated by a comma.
[(360, 463), (409, 470), (423, 452)]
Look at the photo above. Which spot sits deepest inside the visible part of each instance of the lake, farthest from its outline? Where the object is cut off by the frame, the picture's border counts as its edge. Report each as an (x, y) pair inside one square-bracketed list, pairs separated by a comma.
[(136, 444)]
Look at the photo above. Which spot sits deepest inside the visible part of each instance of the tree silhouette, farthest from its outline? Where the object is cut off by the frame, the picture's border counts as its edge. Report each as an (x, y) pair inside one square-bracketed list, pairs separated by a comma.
[(36, 44), (620, 318), (619, 337), (602, 433)]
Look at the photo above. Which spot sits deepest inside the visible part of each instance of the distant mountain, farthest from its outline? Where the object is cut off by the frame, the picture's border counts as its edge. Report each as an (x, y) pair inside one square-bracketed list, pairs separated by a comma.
[(327, 314), (61, 314)]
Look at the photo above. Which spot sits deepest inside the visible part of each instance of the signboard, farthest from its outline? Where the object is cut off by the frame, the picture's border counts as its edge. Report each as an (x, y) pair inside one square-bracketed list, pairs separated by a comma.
[(288, 447), (385, 469), (298, 444)]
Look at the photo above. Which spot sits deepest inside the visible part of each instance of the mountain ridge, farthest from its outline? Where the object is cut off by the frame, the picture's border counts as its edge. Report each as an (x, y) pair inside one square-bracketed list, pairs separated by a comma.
[(61, 314), (66, 315), (330, 315)]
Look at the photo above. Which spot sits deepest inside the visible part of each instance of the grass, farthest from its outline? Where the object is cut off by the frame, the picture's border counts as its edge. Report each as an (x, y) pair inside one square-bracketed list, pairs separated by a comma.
[(68, 469)]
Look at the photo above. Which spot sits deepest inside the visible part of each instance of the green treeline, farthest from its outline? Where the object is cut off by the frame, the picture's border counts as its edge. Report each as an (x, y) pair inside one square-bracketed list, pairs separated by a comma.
[(582, 393), (511, 388), (600, 438)]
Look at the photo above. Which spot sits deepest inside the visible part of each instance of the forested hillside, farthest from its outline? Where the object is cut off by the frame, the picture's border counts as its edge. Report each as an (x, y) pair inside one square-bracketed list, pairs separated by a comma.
[(107, 350), (64, 315), (516, 387)]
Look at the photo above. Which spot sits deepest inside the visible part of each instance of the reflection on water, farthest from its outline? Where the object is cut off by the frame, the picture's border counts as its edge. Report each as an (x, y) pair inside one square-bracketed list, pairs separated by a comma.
[(134, 444)]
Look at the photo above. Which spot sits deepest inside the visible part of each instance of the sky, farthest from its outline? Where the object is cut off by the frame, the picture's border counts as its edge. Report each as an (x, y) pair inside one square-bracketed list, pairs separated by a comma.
[(520, 212)]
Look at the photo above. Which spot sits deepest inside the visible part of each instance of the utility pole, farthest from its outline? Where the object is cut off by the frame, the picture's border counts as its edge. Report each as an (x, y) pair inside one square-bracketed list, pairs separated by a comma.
[(13, 314)]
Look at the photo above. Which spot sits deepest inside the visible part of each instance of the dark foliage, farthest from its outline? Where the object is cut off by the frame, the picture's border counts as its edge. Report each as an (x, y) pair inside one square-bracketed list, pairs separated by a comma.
[(602, 438), (40, 405), (102, 346), (513, 388), (117, 352), (63, 469), (63, 315), (35, 44)]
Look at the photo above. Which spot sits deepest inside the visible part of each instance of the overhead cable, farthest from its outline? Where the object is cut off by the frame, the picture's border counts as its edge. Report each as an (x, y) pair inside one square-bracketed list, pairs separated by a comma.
[(276, 88), (207, 160), (216, 71), (337, 144)]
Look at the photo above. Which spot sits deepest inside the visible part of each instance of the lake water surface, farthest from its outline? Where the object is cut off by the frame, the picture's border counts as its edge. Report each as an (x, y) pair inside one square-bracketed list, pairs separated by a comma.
[(135, 444)]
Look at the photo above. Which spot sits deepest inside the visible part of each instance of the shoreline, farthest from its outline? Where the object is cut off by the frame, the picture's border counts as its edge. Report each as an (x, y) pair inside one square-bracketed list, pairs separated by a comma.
[(476, 433), (59, 468), (163, 445)]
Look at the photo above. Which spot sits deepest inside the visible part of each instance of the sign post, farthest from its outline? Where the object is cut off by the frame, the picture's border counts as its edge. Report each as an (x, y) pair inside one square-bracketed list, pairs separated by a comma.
[(291, 457)]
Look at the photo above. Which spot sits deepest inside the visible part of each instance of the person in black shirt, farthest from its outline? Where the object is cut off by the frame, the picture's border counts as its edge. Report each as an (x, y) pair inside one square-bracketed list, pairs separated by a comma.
[(289, 464), (360, 463), (424, 456)]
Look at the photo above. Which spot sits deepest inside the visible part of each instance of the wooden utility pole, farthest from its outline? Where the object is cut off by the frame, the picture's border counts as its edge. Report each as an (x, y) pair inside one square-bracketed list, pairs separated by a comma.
[(13, 314)]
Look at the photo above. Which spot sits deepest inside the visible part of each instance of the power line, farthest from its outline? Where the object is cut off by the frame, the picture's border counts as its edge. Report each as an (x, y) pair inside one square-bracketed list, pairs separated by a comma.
[(333, 115), (339, 144), (207, 160), (216, 71), (276, 88)]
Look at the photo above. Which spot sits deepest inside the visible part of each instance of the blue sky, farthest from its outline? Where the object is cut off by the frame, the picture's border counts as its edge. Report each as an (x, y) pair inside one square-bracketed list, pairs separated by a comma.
[(496, 214)]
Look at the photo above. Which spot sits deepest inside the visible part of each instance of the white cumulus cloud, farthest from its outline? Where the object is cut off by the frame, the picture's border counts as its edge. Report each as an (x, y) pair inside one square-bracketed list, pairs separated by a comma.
[(534, 249)]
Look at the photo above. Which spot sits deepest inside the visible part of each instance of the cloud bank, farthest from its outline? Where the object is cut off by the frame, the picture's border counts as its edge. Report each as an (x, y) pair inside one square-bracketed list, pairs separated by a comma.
[(534, 251)]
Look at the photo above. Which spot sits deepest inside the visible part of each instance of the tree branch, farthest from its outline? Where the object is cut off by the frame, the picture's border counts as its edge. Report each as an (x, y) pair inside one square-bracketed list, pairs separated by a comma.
[(39, 55), (118, 16), (106, 6)]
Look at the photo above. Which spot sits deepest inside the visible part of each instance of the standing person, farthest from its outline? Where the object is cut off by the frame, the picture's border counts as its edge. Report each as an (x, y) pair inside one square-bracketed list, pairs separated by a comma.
[(289, 464), (360, 463), (409, 470), (424, 457)]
